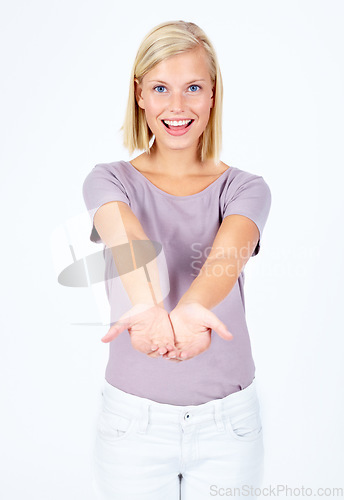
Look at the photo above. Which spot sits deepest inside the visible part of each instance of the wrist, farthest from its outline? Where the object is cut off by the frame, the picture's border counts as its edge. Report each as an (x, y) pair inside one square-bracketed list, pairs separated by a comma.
[(188, 300), (160, 304)]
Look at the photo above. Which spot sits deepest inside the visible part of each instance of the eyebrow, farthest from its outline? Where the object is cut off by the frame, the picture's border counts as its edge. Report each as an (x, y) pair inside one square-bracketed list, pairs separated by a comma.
[(192, 81)]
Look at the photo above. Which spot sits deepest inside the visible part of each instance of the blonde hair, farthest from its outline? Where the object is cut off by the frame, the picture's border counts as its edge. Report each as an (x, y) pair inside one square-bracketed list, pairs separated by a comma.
[(165, 40)]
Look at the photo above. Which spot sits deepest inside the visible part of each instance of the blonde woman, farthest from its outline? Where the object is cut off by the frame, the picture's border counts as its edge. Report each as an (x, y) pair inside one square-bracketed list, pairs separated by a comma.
[(180, 413)]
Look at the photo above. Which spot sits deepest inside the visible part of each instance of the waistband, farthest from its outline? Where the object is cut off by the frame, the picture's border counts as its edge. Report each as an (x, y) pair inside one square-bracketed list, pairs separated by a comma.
[(118, 401)]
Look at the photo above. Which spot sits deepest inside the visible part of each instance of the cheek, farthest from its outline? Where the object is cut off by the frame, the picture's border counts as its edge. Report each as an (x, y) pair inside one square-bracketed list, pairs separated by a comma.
[(152, 113), (204, 111), (152, 105), (202, 105), (153, 110)]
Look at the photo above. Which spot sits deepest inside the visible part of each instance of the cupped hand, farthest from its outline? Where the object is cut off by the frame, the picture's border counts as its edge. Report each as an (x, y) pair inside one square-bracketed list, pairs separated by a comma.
[(150, 330), (192, 325)]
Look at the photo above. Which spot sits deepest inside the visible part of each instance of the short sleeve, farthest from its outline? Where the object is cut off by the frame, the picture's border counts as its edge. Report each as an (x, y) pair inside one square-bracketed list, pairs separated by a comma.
[(102, 186), (249, 195)]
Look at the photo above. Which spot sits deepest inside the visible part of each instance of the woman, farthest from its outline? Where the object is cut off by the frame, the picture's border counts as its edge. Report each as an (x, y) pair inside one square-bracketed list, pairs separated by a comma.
[(180, 415)]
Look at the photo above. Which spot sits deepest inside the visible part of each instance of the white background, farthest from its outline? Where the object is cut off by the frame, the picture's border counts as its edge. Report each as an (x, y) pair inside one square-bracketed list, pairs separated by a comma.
[(65, 73)]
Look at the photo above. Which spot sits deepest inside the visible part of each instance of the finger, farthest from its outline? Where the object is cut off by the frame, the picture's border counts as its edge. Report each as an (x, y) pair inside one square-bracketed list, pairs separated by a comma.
[(172, 353), (116, 329), (186, 355), (153, 354), (166, 356), (213, 322), (190, 353), (174, 357), (169, 355), (164, 349), (157, 351)]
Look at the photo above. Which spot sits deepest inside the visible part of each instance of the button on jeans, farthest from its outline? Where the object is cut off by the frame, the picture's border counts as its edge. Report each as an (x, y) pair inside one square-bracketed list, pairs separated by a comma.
[(145, 450)]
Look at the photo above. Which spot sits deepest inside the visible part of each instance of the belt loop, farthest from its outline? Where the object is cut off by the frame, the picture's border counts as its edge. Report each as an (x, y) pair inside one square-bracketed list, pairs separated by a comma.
[(144, 418), (218, 414)]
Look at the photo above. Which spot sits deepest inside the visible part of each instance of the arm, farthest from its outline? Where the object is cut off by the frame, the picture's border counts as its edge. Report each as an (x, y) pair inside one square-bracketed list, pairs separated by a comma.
[(233, 245), (117, 225), (147, 321)]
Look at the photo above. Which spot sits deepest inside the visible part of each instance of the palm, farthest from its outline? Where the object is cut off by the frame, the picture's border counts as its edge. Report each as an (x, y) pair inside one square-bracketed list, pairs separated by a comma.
[(182, 334), (152, 329), (191, 335), (197, 338), (149, 327)]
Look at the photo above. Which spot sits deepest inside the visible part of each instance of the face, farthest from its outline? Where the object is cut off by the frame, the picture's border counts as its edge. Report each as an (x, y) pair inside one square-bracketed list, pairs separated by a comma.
[(178, 88)]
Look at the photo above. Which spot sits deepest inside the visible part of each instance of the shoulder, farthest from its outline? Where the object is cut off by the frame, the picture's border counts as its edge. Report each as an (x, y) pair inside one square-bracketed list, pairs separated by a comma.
[(114, 166), (239, 177), (246, 185), (111, 171), (106, 177)]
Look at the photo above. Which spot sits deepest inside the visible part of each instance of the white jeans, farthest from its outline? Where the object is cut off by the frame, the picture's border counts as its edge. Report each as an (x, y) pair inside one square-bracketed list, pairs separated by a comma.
[(146, 450)]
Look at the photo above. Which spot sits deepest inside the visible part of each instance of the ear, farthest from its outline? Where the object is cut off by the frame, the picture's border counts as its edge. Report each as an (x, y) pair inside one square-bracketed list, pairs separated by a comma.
[(212, 97), (138, 93)]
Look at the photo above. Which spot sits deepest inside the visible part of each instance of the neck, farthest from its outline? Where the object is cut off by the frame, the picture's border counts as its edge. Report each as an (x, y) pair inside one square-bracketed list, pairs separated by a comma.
[(175, 163)]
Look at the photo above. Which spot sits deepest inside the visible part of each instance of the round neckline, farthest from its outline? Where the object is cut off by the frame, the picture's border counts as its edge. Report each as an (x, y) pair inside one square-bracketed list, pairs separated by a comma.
[(164, 193)]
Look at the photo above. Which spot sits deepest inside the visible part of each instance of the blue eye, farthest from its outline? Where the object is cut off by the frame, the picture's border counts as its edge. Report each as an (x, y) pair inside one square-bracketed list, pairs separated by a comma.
[(196, 87)]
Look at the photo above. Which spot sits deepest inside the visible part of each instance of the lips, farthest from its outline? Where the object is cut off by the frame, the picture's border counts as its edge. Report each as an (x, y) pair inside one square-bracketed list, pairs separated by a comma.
[(177, 127), (178, 130)]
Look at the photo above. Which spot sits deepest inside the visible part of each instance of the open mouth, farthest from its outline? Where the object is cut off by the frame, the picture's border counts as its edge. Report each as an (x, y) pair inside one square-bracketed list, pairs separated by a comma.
[(178, 127)]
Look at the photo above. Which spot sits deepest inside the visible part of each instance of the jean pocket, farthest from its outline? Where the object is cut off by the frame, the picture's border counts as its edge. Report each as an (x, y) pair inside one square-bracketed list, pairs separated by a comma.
[(246, 426), (113, 427)]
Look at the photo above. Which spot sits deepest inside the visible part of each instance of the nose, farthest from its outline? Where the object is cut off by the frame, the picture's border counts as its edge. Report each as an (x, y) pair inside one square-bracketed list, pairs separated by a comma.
[(176, 102)]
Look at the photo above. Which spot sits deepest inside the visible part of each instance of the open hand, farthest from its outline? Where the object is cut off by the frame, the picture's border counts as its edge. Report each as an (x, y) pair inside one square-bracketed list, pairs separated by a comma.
[(192, 324), (180, 335), (150, 330)]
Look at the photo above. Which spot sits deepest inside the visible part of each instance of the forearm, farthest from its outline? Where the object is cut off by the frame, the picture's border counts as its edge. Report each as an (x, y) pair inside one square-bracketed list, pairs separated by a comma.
[(233, 245), (216, 279), (133, 253), (141, 282)]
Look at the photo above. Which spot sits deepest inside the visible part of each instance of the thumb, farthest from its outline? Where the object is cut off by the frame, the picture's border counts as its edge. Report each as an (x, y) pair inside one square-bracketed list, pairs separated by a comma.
[(125, 321), (116, 329), (213, 322)]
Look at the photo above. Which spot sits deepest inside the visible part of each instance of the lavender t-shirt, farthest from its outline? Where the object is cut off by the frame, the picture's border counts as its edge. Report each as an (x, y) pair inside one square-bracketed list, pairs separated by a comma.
[(186, 227)]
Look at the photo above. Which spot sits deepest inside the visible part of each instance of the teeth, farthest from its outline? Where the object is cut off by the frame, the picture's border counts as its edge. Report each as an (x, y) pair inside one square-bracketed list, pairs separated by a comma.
[(177, 123)]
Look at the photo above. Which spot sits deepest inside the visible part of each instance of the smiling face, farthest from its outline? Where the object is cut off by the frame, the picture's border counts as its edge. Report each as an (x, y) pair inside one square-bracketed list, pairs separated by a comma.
[(178, 88)]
